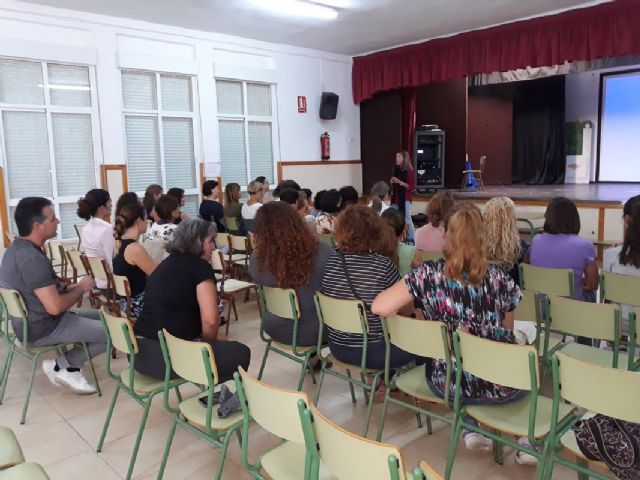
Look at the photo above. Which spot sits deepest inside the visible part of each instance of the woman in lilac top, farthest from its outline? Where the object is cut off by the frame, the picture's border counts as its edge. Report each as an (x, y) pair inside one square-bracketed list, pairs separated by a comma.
[(560, 246)]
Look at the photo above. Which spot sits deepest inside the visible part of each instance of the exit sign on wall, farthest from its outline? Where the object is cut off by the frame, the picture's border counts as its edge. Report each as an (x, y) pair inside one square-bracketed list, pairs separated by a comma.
[(302, 104)]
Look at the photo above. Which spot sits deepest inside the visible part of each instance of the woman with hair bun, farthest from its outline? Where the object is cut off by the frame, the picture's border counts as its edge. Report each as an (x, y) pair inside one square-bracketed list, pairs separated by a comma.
[(132, 260), (96, 238)]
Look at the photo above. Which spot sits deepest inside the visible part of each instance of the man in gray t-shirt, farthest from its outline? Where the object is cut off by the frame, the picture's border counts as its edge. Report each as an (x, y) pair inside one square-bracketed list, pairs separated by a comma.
[(50, 320)]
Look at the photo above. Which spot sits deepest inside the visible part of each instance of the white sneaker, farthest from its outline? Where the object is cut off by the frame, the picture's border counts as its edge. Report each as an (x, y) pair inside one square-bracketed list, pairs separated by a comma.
[(75, 381), (524, 458), (475, 441), (48, 367)]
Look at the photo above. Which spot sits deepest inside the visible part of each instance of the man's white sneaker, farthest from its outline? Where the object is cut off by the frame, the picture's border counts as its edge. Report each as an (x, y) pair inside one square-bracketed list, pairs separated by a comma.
[(75, 381), (48, 367), (475, 441)]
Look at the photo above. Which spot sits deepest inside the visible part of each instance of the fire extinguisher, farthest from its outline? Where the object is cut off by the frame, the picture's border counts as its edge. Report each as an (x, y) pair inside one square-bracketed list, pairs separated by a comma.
[(325, 144)]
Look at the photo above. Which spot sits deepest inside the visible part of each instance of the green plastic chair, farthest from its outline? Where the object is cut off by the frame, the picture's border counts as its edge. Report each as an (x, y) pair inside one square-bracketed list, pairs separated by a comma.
[(425, 472), (195, 362), (429, 256), (600, 321), (597, 389), (232, 224), (348, 456), (284, 303), (514, 366), (276, 411), (423, 338), (348, 316), (24, 471), (10, 451), (139, 387), (327, 238), (13, 305)]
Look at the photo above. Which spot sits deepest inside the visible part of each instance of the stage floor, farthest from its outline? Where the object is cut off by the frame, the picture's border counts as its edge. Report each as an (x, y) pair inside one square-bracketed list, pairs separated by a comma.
[(615, 193)]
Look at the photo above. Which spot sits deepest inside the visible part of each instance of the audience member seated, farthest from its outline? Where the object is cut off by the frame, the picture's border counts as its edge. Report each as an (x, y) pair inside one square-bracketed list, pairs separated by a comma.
[(210, 209), (504, 246), (151, 196), (380, 197), (167, 211), (303, 209), (329, 207), (181, 296), (266, 194), (51, 320), (430, 238), (178, 193), (132, 260), (284, 184), (560, 246), (289, 196), (126, 198), (317, 200), (232, 205), (407, 256), (465, 292), (249, 209), (625, 259), (356, 270), (348, 196), (287, 254), (96, 237)]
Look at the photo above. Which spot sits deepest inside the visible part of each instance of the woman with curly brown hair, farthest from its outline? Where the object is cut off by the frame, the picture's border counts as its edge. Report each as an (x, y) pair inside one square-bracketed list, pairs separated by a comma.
[(287, 254), (361, 269)]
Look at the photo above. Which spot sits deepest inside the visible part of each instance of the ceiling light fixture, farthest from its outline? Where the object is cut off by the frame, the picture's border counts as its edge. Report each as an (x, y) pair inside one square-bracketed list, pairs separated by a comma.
[(297, 8)]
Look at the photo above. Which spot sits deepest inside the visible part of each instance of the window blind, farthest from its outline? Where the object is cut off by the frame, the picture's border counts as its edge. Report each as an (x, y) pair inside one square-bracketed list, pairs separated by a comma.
[(73, 149), (69, 85), (233, 154), (179, 158), (143, 152), (139, 90), (259, 99), (191, 205), (261, 150), (175, 91), (229, 97), (69, 218)]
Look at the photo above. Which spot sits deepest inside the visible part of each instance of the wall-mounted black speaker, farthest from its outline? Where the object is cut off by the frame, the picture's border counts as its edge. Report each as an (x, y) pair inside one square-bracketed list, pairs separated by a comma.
[(328, 106)]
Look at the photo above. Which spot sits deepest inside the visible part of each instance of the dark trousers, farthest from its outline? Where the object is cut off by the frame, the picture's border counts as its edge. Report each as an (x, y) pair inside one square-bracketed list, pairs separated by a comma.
[(229, 356), (375, 355)]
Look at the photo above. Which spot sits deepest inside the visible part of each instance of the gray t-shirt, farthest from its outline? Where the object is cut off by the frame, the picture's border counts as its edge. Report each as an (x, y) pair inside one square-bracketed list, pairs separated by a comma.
[(25, 268)]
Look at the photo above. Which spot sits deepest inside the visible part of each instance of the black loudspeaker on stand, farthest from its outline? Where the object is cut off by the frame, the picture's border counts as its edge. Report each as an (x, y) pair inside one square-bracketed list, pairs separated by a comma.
[(428, 159), (328, 106)]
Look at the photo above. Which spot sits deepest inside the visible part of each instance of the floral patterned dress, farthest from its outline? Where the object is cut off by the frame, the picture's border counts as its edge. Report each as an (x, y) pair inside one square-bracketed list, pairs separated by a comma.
[(477, 309)]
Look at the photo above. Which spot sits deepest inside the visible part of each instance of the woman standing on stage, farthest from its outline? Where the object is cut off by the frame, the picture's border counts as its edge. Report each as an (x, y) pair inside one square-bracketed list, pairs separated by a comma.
[(402, 184)]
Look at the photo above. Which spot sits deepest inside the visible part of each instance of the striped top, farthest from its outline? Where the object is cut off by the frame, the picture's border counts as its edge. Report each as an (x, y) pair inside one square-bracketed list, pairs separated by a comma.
[(370, 274)]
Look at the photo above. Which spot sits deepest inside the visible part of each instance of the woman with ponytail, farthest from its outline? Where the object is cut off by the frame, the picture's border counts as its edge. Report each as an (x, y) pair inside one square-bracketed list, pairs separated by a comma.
[(96, 238), (132, 260), (380, 197)]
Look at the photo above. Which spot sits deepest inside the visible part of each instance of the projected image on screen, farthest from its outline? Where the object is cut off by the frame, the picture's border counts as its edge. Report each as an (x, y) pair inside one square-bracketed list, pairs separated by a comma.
[(620, 128)]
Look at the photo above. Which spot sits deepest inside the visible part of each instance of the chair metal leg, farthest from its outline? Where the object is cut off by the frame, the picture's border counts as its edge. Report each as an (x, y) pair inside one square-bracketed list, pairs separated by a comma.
[(223, 452), (319, 386), (264, 360), (351, 390), (93, 370), (136, 446), (372, 395), (365, 391), (419, 419), (305, 366), (108, 419), (383, 416), (498, 450), (178, 395), (26, 400), (584, 464), (453, 447), (7, 369), (167, 447)]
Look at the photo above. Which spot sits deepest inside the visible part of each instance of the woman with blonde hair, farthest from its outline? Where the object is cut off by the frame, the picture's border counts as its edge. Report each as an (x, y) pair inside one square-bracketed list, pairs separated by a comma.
[(466, 292), (503, 244)]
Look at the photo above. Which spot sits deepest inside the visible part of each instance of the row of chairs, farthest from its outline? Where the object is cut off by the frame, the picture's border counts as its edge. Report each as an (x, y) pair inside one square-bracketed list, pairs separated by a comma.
[(13, 465)]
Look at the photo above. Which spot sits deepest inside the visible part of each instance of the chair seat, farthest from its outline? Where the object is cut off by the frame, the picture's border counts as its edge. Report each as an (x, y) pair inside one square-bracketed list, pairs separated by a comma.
[(472, 171), (141, 383), (232, 285), (196, 413), (10, 451), (414, 383), (288, 348), (20, 347), (595, 355), (348, 366), (24, 471), (286, 461), (513, 417), (239, 257)]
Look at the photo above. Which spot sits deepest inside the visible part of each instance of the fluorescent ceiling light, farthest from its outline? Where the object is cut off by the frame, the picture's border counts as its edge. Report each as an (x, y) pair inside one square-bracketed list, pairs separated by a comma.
[(66, 87), (334, 3), (297, 8)]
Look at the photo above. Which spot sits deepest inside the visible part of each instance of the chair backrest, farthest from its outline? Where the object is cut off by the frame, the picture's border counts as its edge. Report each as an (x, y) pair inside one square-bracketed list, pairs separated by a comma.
[(188, 359), (217, 261), (98, 268), (239, 243), (502, 363), (421, 337), (275, 409), (121, 285), (155, 248), (348, 456), (75, 260), (222, 240), (527, 310), (10, 450), (594, 320), (117, 333), (620, 288), (483, 162), (14, 302), (341, 314), (327, 238), (282, 302), (232, 223), (426, 472), (428, 256), (599, 389), (551, 281)]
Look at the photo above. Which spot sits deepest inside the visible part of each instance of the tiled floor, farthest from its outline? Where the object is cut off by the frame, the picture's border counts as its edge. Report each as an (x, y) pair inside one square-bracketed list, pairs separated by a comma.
[(62, 429)]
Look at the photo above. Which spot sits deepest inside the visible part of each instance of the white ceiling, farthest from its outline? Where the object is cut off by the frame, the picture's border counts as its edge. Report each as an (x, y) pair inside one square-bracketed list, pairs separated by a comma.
[(362, 25)]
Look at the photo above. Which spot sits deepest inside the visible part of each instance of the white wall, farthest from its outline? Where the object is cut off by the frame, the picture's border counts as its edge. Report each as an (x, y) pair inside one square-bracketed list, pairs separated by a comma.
[(110, 43)]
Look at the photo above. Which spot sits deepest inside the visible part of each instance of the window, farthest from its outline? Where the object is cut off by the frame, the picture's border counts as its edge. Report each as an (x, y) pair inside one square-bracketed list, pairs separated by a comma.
[(49, 135), (159, 132), (246, 128)]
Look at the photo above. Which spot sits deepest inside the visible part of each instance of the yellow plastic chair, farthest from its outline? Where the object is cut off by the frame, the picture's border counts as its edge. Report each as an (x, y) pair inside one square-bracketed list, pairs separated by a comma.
[(239, 253), (195, 362), (10, 451), (346, 455), (14, 306), (514, 366), (425, 472), (347, 316), (98, 269), (550, 281), (597, 389), (429, 256), (25, 471), (284, 304), (76, 263), (423, 338), (232, 224), (123, 291)]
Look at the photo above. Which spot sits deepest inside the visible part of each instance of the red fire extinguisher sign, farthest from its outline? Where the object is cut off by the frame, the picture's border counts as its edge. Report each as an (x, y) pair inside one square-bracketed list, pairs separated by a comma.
[(325, 146), (302, 104)]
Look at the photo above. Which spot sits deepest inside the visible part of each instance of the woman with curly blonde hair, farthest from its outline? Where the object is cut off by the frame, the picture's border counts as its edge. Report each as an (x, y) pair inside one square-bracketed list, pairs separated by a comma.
[(503, 245), (287, 254)]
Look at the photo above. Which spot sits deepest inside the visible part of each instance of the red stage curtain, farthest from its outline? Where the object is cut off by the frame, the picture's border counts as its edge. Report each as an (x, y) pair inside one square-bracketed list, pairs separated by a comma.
[(408, 119), (606, 30)]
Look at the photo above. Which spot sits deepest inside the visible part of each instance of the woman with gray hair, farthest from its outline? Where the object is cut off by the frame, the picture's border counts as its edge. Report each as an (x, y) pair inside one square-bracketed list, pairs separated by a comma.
[(380, 197), (181, 296)]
